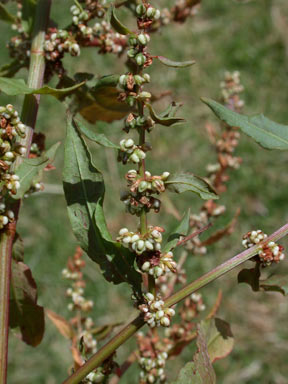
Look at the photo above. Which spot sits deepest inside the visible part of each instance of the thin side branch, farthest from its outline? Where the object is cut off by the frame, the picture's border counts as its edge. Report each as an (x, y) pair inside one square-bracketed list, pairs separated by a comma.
[(96, 360)]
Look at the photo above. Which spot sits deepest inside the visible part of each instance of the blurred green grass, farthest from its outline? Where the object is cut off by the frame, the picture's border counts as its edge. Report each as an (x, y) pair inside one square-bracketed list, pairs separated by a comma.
[(225, 35)]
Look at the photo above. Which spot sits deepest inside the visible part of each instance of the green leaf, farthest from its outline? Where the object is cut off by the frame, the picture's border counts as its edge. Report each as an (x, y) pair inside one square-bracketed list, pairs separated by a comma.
[(6, 15), (18, 248), (275, 284), (84, 192), (165, 120), (29, 169), (267, 133), (218, 337), (187, 182), (181, 229), (250, 277), (24, 311), (99, 138), (101, 101), (171, 110), (118, 25), (175, 64), (200, 371), (14, 87), (10, 69)]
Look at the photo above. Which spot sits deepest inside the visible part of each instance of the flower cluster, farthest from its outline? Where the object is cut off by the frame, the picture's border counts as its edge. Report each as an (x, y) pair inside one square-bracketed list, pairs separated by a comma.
[(225, 145), (75, 292), (159, 266), (57, 42), (270, 252), (11, 132), (231, 89), (140, 191), (138, 243), (152, 369), (6, 216), (155, 315), (129, 152), (95, 377), (148, 184), (84, 324)]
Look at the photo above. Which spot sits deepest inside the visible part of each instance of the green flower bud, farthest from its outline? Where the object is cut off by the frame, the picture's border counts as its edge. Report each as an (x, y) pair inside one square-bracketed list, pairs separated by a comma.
[(150, 12), (134, 158), (143, 186), (146, 77), (123, 80), (143, 38), (140, 59), (140, 10), (138, 79), (132, 41), (130, 100), (131, 52), (144, 95)]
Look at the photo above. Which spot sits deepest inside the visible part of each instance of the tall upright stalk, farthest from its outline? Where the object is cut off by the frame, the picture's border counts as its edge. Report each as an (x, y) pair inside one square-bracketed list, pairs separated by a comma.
[(109, 348), (29, 116)]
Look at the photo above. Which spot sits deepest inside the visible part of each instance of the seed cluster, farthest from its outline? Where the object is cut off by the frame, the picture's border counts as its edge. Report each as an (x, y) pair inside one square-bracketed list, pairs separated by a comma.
[(154, 312), (270, 252)]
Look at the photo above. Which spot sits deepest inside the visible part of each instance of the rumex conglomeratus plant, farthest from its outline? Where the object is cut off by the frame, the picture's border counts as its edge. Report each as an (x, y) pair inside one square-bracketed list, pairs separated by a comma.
[(144, 257)]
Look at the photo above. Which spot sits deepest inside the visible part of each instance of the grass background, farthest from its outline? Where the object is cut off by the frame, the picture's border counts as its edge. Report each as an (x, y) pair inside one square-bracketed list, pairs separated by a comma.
[(225, 35)]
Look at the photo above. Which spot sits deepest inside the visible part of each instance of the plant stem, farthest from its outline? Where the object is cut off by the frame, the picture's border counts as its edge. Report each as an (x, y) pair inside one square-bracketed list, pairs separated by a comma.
[(107, 350), (29, 115)]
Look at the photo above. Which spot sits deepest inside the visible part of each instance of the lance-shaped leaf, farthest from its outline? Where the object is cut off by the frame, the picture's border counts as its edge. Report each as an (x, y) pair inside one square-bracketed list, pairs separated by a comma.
[(5, 15), (175, 64), (14, 87), (181, 230), (118, 25), (171, 110), (187, 182), (166, 120), (24, 311), (99, 138), (29, 169), (84, 193), (267, 133)]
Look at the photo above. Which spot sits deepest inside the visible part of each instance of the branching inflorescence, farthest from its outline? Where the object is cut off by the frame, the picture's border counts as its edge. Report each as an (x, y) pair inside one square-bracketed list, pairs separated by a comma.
[(145, 254)]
